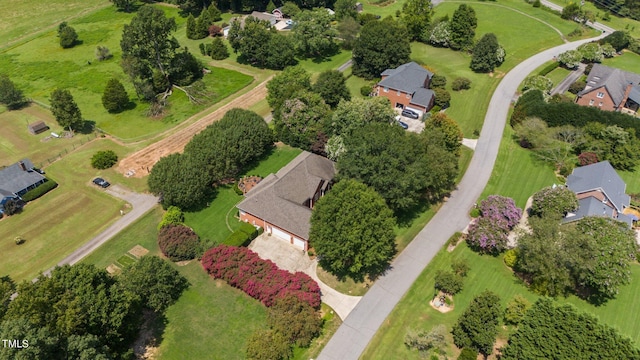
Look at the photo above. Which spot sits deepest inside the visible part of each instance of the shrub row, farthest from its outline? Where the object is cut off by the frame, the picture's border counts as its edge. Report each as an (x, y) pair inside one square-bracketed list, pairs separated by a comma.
[(260, 279), (39, 191), (549, 68), (243, 236)]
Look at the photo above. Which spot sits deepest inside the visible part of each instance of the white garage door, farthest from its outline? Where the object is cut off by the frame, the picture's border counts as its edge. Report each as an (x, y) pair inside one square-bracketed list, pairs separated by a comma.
[(281, 234), (299, 243)]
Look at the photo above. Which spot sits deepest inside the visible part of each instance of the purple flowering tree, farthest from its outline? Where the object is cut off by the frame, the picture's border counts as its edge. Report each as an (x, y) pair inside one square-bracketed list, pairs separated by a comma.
[(489, 233)]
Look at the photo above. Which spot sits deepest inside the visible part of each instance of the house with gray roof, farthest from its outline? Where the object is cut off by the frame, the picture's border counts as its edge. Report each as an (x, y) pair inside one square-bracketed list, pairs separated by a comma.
[(611, 89), (17, 179), (600, 192), (282, 202), (407, 87)]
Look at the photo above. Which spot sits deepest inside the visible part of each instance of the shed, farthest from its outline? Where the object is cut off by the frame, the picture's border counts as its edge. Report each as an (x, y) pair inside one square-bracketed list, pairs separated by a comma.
[(37, 127)]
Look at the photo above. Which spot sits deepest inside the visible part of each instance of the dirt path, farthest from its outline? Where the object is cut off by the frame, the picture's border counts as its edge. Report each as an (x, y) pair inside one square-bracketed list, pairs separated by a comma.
[(141, 162)]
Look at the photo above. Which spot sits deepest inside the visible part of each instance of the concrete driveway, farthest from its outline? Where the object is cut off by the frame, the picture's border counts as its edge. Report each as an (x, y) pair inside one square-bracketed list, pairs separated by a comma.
[(292, 259)]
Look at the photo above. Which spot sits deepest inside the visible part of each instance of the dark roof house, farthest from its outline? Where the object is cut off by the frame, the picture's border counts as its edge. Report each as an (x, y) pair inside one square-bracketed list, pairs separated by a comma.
[(600, 192), (611, 89), (284, 200), (20, 178), (407, 86)]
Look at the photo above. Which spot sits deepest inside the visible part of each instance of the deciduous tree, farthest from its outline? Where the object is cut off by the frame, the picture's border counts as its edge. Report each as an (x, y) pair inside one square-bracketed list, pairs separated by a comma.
[(350, 115), (286, 85), (295, 319), (114, 97), (416, 16), (345, 9), (10, 95), (313, 35), (487, 54), (477, 327), (332, 87), (382, 45), (300, 119), (104, 159), (554, 202), (450, 130), (348, 30), (67, 35), (268, 345), (352, 231), (124, 5)]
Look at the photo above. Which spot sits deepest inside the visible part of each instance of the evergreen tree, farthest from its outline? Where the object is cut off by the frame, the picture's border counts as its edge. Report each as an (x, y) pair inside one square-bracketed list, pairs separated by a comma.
[(65, 109), (219, 50), (477, 327), (487, 54), (191, 28), (10, 95), (462, 27), (67, 35), (115, 97)]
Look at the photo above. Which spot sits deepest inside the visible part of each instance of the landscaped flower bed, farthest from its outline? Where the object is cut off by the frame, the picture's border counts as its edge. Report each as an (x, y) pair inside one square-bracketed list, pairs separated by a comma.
[(260, 279)]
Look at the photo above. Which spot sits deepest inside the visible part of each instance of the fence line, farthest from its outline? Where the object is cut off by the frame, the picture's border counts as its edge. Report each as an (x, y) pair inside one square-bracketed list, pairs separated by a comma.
[(66, 150)]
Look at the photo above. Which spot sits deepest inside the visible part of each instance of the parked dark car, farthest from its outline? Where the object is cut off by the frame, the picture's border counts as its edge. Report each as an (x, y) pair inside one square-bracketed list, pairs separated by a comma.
[(410, 113), (403, 124), (101, 182)]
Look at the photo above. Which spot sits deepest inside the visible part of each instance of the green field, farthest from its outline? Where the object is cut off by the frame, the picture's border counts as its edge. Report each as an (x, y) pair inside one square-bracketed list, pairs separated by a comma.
[(486, 272), (628, 61), (40, 65), (558, 75), (618, 23)]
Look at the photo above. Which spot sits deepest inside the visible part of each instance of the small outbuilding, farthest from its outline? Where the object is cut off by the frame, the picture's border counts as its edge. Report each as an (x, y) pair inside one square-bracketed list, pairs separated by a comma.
[(37, 127)]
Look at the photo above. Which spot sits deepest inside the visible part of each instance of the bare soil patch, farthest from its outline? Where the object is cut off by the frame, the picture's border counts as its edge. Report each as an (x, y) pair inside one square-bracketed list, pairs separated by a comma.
[(146, 347), (138, 251), (442, 306), (139, 164), (113, 269)]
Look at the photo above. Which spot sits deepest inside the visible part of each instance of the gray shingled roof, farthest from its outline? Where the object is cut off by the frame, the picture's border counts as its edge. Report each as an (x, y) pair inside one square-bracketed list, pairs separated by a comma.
[(408, 77), (422, 97), (614, 80), (279, 198), (600, 176), (14, 179), (634, 94)]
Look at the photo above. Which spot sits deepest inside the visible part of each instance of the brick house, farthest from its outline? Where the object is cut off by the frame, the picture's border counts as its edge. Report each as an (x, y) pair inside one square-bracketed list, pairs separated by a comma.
[(282, 202), (611, 90), (407, 87), (600, 192), (18, 179)]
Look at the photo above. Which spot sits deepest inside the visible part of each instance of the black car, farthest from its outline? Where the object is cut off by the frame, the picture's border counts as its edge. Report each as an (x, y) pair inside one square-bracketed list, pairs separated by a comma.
[(403, 124), (101, 182), (410, 113)]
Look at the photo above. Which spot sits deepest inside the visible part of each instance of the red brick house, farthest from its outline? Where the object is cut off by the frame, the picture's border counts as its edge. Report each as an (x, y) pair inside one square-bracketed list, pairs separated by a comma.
[(611, 90), (281, 203), (407, 87)]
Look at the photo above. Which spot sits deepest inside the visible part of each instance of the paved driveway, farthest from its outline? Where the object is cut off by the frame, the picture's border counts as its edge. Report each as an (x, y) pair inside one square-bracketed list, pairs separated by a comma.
[(292, 259)]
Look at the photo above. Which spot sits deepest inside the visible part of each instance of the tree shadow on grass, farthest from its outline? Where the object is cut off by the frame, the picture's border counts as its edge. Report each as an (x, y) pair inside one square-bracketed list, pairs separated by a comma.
[(150, 334), (86, 127), (405, 218)]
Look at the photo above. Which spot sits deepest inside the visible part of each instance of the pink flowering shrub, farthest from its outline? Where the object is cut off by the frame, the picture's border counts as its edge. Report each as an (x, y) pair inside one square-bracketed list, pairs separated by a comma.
[(489, 233), (260, 279)]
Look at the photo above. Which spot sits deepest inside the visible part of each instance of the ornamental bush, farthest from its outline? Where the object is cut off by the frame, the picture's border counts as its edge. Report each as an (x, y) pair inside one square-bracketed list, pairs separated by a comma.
[(173, 216), (39, 191), (461, 83), (553, 202), (258, 278), (104, 159), (511, 257), (178, 242), (500, 207), (489, 233), (448, 282)]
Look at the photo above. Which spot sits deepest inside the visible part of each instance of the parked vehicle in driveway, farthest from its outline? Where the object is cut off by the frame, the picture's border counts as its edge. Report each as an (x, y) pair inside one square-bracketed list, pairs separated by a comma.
[(403, 124), (101, 182), (410, 113)]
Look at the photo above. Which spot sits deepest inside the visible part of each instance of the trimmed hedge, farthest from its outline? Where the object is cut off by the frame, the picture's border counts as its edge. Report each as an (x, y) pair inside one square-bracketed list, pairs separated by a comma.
[(39, 191), (258, 278), (243, 236), (549, 68)]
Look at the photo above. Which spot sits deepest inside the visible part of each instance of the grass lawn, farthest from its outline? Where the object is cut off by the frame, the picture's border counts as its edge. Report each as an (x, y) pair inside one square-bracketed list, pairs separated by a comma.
[(628, 61), (211, 223), (59, 222), (316, 66), (40, 65), (618, 23), (486, 272), (354, 83), (517, 173), (557, 75)]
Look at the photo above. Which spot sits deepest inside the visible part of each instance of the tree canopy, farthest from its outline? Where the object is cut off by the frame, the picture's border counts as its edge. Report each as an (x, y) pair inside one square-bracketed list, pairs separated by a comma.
[(114, 97), (67, 35), (258, 46), (65, 109), (560, 332), (313, 35), (462, 27), (450, 130), (350, 115), (416, 16), (286, 85), (477, 327), (352, 231), (300, 119), (332, 87), (487, 54), (382, 45), (554, 202), (10, 96), (124, 5)]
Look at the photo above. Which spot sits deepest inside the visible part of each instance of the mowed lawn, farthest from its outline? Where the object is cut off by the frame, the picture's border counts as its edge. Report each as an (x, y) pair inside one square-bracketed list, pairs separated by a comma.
[(487, 273), (628, 61), (59, 222), (212, 223), (24, 17), (40, 65)]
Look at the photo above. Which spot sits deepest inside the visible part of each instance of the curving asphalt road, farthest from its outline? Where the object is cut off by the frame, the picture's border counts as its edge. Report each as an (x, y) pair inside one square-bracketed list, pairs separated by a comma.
[(351, 339)]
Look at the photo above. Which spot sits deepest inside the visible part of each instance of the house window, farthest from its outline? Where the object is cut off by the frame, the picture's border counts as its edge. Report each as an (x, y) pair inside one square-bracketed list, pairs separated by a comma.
[(408, 96), (600, 95), (591, 102), (398, 93), (600, 103), (386, 89)]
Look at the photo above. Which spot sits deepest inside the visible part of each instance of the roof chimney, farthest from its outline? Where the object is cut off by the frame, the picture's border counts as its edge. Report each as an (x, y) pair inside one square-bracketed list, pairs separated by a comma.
[(22, 166)]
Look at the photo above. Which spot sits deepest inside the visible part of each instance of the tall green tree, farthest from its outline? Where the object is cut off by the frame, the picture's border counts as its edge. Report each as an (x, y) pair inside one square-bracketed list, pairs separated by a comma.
[(416, 16), (450, 130), (192, 32), (554, 202), (313, 35), (114, 97), (7, 288), (67, 35), (348, 30), (10, 95), (124, 5), (286, 85), (462, 28), (219, 50), (266, 345), (65, 109), (178, 181), (487, 54), (295, 319), (332, 87), (477, 327), (300, 119), (352, 231), (345, 9), (382, 45), (351, 115)]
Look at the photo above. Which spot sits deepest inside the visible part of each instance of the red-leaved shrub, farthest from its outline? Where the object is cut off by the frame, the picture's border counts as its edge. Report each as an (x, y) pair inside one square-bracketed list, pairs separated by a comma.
[(178, 242), (260, 279)]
